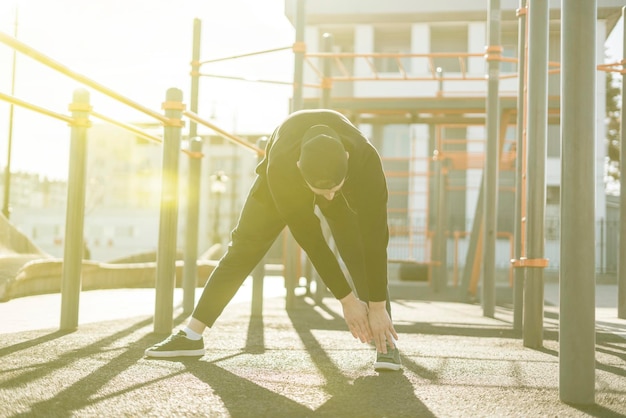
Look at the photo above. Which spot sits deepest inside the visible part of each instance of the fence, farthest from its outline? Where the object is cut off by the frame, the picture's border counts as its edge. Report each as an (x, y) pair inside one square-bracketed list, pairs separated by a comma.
[(79, 122), (607, 244)]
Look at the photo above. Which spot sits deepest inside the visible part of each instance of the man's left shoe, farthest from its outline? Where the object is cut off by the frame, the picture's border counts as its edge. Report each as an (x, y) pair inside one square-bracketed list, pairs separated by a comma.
[(388, 362), (177, 345)]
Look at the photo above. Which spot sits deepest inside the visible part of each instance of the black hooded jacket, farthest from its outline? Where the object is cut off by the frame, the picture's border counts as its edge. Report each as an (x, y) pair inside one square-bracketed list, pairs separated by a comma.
[(365, 191)]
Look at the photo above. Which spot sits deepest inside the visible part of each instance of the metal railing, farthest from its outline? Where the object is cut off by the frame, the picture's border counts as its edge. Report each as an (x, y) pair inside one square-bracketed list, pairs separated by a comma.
[(79, 122)]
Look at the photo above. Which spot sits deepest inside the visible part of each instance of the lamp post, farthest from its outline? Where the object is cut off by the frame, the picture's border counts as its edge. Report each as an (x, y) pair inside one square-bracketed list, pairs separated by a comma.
[(218, 188), (6, 206)]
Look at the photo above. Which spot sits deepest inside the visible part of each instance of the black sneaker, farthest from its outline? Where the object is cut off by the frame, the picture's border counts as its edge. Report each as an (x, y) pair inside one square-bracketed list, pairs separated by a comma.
[(388, 362), (177, 345)]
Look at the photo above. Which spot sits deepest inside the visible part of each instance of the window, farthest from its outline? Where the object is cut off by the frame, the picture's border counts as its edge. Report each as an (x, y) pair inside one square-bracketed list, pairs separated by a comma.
[(392, 40), (509, 50), (552, 215), (457, 179), (450, 39), (393, 143), (554, 141)]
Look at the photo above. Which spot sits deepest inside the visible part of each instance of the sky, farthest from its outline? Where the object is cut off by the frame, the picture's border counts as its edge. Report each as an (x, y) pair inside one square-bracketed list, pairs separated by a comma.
[(139, 48)]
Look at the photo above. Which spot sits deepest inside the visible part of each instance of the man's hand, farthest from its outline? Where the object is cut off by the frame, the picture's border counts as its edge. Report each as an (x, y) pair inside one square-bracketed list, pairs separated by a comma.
[(381, 326), (355, 315)]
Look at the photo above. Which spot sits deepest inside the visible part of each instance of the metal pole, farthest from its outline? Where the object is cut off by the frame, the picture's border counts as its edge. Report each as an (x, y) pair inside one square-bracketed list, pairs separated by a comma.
[(75, 214), (438, 237), (168, 223), (258, 274), (578, 137), (190, 268), (195, 75), (6, 206), (327, 83), (291, 247), (299, 48), (518, 288), (439, 281), (443, 226), (538, 22), (475, 246), (621, 264), (490, 223), (191, 236)]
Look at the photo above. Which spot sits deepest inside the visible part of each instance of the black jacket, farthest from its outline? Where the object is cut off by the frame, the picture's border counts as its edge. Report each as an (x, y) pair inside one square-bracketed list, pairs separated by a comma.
[(365, 191)]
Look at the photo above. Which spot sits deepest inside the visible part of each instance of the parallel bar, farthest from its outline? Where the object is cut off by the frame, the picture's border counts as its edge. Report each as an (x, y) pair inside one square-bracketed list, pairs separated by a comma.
[(490, 223), (327, 85), (475, 246), (75, 214), (190, 267), (291, 247), (35, 108), (128, 127), (190, 270), (538, 22), (439, 280), (249, 54), (6, 204), (258, 274), (49, 62), (578, 138), (194, 117), (437, 190), (251, 80), (621, 266), (298, 73), (168, 221), (195, 75), (518, 286)]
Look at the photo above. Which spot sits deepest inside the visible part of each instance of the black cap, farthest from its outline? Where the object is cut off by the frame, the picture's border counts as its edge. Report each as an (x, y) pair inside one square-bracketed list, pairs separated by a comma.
[(323, 158)]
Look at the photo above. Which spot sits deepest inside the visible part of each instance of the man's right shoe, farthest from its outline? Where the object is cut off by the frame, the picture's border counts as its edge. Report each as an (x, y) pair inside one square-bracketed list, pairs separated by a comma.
[(389, 361), (177, 345)]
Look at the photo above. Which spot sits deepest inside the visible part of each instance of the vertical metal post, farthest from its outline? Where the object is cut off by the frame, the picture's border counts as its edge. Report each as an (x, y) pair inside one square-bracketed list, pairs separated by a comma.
[(6, 205), (190, 269), (475, 246), (436, 192), (621, 263), (168, 223), (538, 22), (299, 48), (258, 274), (191, 234), (518, 282), (578, 137), (327, 83), (442, 276), (75, 214), (195, 75), (490, 223), (439, 279)]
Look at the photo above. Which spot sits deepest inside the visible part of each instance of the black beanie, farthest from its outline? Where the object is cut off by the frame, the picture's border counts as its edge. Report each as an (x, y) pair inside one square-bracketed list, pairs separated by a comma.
[(323, 159)]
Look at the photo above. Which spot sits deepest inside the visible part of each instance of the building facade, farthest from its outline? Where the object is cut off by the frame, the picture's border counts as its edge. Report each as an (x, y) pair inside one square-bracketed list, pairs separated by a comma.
[(412, 75), (122, 202)]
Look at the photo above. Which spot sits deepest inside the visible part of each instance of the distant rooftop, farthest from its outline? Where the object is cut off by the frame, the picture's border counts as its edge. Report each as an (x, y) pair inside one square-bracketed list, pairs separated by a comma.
[(324, 12)]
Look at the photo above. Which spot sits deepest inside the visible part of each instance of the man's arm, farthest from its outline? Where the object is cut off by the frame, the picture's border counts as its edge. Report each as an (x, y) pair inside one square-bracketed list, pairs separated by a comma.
[(381, 326), (355, 315)]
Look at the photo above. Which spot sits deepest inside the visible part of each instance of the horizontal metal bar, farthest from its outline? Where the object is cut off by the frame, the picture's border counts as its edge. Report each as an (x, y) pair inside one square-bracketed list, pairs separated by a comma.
[(128, 127), (49, 62), (194, 117), (35, 108), (249, 54)]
